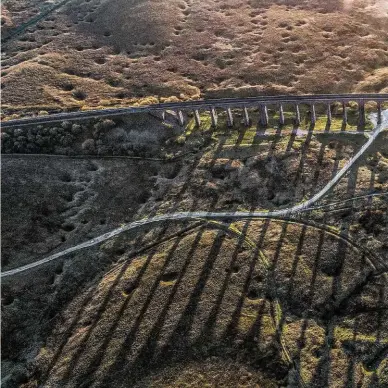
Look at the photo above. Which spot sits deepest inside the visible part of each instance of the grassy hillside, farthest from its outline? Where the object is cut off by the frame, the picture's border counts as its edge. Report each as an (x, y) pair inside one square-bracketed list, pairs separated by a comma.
[(103, 53), (257, 303)]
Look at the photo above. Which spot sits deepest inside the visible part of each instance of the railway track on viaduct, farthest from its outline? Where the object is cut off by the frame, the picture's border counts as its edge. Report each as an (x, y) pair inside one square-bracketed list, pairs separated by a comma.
[(224, 104)]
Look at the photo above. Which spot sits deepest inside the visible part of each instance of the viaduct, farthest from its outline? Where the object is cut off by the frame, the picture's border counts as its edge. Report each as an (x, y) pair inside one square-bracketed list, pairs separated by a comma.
[(227, 104)]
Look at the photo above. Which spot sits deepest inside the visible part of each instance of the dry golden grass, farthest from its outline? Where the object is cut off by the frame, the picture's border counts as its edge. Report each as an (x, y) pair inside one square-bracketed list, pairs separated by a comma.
[(118, 51)]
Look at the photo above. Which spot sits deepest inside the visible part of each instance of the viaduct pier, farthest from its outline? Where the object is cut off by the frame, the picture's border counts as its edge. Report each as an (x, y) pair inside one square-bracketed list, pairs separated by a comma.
[(258, 106)]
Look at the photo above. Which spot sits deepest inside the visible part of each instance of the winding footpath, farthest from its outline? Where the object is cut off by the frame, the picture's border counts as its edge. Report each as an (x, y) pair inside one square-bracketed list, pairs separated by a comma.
[(287, 213)]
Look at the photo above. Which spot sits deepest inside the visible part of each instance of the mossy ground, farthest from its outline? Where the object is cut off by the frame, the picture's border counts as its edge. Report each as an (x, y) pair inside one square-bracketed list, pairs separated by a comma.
[(223, 305)]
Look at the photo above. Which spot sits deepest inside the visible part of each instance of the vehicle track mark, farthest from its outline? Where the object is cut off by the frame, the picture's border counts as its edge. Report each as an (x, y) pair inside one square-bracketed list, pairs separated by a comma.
[(34, 20)]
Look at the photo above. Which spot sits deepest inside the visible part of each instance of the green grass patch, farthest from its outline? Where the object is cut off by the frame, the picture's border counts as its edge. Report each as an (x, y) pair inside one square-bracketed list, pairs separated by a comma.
[(241, 135)]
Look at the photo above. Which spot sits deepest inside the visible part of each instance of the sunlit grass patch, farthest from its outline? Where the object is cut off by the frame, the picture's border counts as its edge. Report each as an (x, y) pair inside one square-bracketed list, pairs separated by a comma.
[(243, 135)]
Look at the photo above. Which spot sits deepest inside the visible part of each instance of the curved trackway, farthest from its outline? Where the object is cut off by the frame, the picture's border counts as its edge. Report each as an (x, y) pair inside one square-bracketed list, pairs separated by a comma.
[(343, 201), (239, 215)]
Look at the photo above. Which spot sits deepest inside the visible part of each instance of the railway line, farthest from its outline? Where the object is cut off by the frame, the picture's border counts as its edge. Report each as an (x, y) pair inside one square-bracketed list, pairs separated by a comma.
[(287, 213), (225, 104)]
